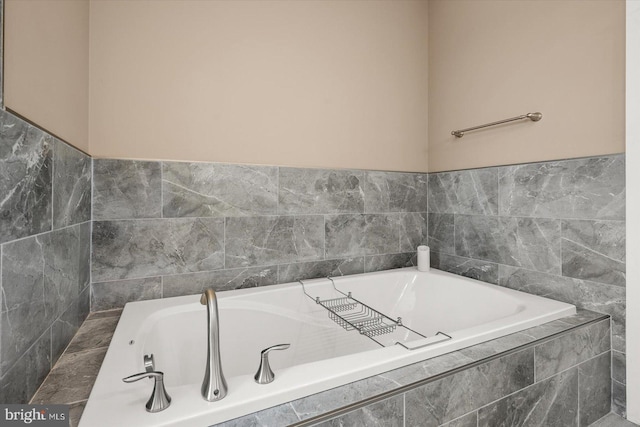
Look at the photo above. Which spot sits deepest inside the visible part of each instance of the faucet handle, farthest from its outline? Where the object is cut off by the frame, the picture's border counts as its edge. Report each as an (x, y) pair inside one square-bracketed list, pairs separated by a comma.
[(265, 375), (160, 399)]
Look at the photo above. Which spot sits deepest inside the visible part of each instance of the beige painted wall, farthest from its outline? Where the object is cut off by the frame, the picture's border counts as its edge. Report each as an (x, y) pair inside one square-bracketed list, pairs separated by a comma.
[(495, 59), (301, 83), (46, 65)]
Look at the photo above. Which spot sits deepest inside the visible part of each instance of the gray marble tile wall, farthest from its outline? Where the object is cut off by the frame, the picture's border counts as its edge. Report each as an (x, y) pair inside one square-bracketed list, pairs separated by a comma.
[(45, 244), (555, 229), (528, 386), (164, 229)]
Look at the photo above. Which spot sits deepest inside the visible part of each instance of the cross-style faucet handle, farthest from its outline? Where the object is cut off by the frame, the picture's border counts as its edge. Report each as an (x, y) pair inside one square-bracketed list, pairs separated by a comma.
[(265, 375), (160, 399)]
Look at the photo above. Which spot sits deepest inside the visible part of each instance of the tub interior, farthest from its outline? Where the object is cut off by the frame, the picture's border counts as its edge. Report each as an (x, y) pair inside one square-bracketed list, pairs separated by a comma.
[(322, 355), (251, 323), (312, 337)]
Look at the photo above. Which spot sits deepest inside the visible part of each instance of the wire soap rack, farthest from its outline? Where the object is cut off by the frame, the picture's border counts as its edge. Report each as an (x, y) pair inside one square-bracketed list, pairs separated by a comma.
[(352, 314)]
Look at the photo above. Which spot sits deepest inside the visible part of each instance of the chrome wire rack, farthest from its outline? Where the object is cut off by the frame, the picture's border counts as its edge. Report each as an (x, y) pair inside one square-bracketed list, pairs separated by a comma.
[(352, 314)]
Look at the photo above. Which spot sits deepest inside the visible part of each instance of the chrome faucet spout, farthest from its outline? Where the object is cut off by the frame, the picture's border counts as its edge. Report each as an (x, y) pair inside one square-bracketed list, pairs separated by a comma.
[(214, 386)]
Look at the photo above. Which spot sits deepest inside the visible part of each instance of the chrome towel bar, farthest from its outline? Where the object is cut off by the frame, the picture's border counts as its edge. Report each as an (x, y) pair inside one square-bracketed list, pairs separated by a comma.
[(534, 117)]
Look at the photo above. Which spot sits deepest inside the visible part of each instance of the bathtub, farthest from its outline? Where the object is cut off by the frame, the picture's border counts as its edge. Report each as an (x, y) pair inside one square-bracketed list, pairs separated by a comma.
[(440, 313)]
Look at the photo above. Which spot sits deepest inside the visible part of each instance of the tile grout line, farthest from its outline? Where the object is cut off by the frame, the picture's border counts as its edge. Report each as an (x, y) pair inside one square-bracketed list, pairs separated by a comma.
[(54, 153), (91, 216)]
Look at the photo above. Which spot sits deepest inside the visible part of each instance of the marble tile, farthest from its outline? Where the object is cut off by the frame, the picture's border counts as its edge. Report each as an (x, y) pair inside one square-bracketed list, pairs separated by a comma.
[(151, 247), (619, 367), (550, 403), (418, 371), (613, 420), (591, 188), (23, 317), (443, 400), (40, 280), (389, 261), (115, 294), (570, 349), (619, 398), (498, 345), (117, 312), (320, 191), (591, 296), (582, 316), (71, 185), (547, 329), (221, 280), (594, 389), (75, 412), (93, 334), (281, 415), (395, 192), (84, 258), (72, 378), (381, 234), (124, 189), (386, 413), (413, 231), (352, 235), (480, 270), (25, 179), (469, 420), (254, 241), (470, 192), (594, 250), (328, 400), (441, 233), (218, 190), (66, 326), (316, 269), (19, 383), (532, 243)]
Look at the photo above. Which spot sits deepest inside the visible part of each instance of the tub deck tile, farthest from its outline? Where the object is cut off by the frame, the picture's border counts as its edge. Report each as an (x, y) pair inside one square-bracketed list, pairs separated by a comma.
[(94, 334), (547, 329), (387, 413), (71, 380), (490, 348), (281, 415), (428, 368)]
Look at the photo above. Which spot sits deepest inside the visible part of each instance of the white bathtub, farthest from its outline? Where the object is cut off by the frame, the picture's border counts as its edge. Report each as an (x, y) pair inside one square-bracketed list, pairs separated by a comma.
[(322, 354)]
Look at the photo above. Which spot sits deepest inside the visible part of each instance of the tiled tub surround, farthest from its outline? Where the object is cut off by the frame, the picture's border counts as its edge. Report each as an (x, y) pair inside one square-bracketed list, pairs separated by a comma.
[(45, 232), (555, 229), (512, 381), (171, 228), (515, 380)]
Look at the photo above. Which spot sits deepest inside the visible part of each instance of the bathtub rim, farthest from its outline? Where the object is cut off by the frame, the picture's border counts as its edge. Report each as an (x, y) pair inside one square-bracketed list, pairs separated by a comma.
[(171, 302)]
